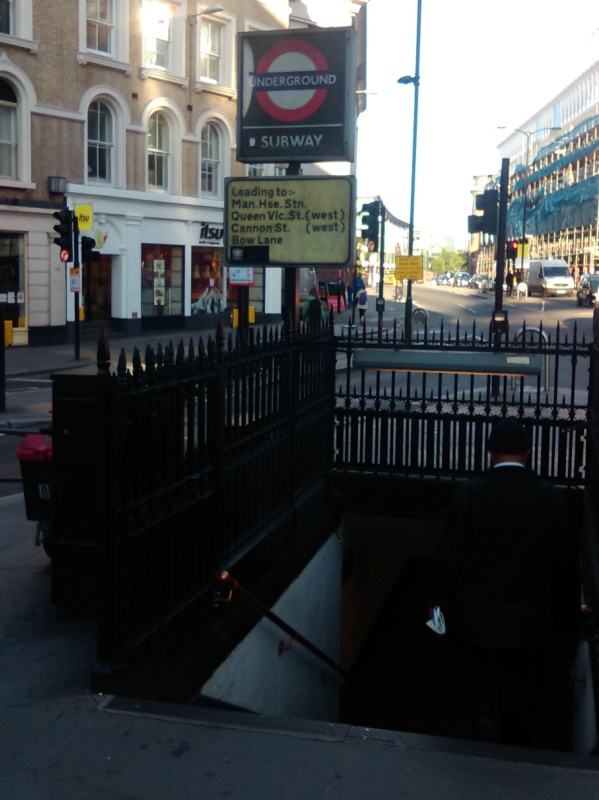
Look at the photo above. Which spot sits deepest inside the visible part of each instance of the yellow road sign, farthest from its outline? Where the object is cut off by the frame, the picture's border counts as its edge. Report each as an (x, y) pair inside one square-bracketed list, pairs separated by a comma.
[(408, 268)]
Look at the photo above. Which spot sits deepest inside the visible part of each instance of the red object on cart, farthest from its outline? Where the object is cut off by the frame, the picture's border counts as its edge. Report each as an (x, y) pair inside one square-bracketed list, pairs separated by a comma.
[(35, 456)]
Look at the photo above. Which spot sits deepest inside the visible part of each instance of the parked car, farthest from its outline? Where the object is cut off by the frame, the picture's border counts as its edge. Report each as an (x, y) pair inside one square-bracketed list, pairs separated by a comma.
[(492, 282), (445, 279), (461, 279), (480, 282), (587, 290)]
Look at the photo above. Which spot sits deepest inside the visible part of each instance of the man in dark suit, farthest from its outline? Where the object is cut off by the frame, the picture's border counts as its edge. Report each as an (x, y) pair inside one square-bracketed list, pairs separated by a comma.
[(506, 577)]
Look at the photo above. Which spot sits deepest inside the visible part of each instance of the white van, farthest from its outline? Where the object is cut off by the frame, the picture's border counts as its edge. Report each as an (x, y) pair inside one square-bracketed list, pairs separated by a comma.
[(549, 277)]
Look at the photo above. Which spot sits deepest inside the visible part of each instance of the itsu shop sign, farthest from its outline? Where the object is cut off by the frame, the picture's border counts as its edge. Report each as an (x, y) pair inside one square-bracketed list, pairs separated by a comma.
[(297, 99)]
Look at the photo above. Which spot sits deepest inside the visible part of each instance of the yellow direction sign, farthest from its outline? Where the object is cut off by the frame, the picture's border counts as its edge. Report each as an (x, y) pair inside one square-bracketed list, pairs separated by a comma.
[(85, 217), (290, 221), (408, 268)]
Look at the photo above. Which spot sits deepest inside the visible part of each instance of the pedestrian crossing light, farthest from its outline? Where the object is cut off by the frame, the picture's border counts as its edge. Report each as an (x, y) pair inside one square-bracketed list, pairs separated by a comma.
[(370, 224), (64, 229)]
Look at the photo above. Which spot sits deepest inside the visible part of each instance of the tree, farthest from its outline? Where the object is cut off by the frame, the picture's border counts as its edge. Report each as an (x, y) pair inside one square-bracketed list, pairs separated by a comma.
[(449, 261)]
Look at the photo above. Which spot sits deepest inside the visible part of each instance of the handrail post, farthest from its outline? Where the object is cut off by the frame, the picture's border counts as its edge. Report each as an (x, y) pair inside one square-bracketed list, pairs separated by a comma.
[(233, 585)]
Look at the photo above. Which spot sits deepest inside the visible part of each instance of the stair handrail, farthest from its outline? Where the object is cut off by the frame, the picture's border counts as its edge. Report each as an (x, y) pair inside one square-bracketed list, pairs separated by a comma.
[(234, 585)]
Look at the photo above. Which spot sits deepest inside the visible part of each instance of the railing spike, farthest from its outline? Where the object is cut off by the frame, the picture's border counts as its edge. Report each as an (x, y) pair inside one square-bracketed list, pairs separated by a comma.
[(150, 358), (180, 357), (137, 365), (220, 337), (121, 367), (103, 354)]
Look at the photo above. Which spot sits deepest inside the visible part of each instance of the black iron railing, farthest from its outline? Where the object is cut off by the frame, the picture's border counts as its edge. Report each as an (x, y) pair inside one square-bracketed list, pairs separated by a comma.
[(199, 459), (436, 423)]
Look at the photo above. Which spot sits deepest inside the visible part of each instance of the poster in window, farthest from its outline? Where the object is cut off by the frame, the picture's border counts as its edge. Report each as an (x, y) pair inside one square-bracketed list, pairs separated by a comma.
[(159, 281)]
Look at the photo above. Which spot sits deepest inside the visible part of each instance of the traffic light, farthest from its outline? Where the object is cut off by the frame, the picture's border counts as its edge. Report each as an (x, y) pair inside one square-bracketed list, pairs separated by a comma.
[(64, 229), (511, 249), (370, 223), (88, 254), (487, 221)]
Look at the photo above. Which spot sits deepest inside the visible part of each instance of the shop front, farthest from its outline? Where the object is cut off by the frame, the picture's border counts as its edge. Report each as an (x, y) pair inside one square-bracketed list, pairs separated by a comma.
[(12, 283)]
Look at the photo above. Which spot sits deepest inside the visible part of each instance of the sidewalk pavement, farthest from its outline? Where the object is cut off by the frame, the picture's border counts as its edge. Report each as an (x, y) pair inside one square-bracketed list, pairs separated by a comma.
[(60, 741), (27, 364)]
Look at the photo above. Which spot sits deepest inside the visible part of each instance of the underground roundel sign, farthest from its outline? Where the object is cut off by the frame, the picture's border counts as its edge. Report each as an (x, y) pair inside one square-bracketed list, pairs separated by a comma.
[(291, 80), (293, 95)]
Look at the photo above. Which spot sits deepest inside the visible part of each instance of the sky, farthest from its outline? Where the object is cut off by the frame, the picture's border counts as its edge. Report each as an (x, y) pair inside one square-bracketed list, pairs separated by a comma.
[(483, 64)]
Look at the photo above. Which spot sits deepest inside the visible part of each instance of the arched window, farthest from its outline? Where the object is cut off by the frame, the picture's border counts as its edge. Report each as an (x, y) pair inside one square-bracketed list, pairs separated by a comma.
[(158, 151), (210, 160), (8, 131), (100, 143)]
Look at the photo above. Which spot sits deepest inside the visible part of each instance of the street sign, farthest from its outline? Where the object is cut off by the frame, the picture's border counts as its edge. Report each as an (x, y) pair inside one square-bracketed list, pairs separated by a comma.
[(522, 250), (75, 279), (241, 276), (297, 95), (290, 221), (85, 217), (408, 268)]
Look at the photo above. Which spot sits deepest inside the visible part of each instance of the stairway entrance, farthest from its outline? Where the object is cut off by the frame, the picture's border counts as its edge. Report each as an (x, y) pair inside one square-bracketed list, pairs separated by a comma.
[(402, 678)]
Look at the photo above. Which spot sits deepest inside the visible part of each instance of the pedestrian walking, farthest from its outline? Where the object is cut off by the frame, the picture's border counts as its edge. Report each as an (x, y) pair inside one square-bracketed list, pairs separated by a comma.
[(506, 585), (312, 311), (362, 305), (509, 282)]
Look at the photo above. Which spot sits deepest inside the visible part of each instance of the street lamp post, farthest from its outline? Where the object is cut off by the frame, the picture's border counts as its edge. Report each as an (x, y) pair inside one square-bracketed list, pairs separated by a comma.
[(415, 79)]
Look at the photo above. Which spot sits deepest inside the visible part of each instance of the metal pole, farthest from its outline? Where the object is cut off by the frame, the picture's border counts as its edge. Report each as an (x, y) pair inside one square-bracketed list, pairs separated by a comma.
[(381, 300), (528, 134), (416, 81), (77, 266)]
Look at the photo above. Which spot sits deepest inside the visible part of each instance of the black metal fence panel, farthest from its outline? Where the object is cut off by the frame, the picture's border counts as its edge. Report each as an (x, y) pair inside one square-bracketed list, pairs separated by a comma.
[(437, 423), (196, 455)]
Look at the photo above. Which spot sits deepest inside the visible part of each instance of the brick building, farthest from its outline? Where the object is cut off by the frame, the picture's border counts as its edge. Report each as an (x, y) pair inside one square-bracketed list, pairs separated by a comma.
[(130, 108)]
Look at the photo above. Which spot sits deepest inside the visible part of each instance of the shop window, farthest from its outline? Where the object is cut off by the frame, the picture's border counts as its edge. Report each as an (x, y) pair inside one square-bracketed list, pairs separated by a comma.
[(161, 281), (207, 287), (12, 276)]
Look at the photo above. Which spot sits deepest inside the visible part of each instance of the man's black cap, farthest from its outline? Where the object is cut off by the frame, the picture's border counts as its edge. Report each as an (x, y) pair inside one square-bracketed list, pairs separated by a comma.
[(508, 436)]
